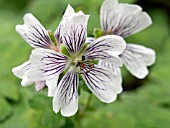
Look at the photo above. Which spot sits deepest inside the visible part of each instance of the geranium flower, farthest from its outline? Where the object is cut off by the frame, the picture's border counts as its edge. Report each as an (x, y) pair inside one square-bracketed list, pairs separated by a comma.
[(125, 20), (38, 37), (79, 60)]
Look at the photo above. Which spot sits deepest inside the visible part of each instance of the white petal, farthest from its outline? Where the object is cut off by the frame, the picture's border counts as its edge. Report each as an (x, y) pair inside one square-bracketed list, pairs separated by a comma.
[(107, 13), (26, 82), (102, 82), (89, 39), (33, 32), (21, 72), (22, 69), (52, 86), (136, 59), (106, 47), (74, 34), (123, 19), (39, 85), (116, 70), (66, 96), (69, 11), (118, 73), (115, 60), (47, 64), (66, 18)]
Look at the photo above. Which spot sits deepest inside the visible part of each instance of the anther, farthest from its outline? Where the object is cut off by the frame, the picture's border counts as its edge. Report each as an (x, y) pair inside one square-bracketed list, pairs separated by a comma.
[(83, 58)]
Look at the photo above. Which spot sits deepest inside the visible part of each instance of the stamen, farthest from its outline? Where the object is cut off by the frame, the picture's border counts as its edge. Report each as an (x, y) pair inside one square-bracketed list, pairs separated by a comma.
[(85, 66), (83, 58)]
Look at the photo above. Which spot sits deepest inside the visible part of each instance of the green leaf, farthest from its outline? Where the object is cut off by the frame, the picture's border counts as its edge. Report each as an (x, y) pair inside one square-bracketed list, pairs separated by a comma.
[(40, 101), (160, 72), (143, 108), (5, 109), (9, 90), (43, 104)]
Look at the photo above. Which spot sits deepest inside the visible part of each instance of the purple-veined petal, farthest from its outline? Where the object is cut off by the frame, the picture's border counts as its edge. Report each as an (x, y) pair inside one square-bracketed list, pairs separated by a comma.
[(22, 69), (102, 82), (66, 96), (107, 13), (116, 70), (106, 47), (123, 19), (66, 17), (47, 64), (33, 32), (74, 33), (39, 85), (115, 60), (52, 85), (136, 58), (21, 72)]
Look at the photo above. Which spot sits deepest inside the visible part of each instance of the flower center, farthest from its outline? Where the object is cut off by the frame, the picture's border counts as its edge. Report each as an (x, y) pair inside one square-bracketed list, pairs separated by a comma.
[(54, 47), (109, 32), (85, 65)]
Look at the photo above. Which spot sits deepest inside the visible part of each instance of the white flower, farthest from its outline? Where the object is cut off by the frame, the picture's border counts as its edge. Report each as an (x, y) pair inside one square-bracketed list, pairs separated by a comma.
[(124, 20), (79, 62), (38, 37)]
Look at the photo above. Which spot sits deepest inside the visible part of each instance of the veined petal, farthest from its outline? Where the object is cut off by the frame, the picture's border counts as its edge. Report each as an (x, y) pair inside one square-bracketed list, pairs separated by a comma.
[(52, 85), (21, 72), (123, 19), (116, 70), (106, 47), (22, 69), (47, 64), (136, 59), (66, 17), (74, 34), (66, 96), (107, 12), (33, 32), (102, 82), (115, 60)]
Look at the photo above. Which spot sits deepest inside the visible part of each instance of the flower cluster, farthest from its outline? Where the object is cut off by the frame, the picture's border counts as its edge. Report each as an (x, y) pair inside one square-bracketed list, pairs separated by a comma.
[(60, 60)]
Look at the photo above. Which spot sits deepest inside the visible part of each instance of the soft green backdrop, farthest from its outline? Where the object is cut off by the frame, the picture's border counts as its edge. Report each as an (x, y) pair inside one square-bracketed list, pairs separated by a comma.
[(146, 106)]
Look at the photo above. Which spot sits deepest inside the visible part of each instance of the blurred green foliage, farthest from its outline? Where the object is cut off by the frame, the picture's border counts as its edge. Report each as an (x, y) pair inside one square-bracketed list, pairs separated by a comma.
[(146, 107)]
